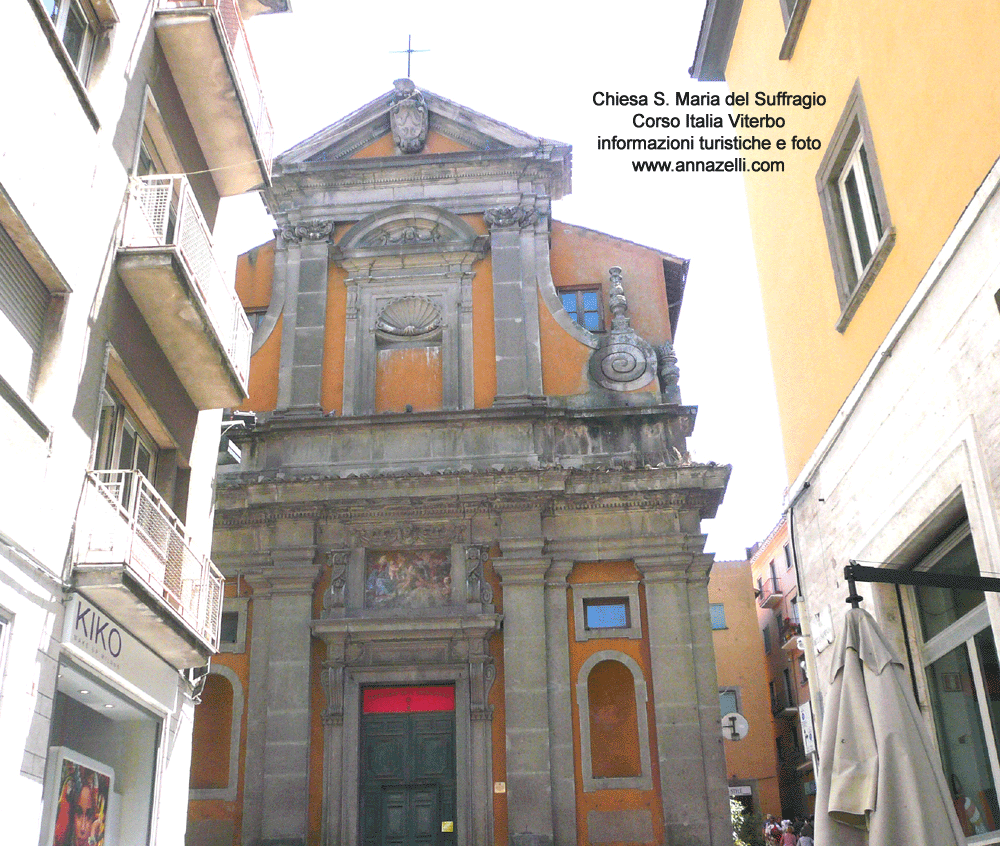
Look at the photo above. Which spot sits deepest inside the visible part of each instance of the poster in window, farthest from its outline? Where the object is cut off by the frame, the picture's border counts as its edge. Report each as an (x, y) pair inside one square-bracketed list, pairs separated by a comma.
[(80, 793)]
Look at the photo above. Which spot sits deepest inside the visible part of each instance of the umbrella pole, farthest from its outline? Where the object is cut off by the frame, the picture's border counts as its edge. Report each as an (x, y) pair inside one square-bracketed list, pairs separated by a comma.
[(854, 599)]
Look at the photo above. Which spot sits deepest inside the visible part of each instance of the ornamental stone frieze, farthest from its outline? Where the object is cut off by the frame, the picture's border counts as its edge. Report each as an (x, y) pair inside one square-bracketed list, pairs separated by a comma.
[(307, 230), (623, 361), (510, 217)]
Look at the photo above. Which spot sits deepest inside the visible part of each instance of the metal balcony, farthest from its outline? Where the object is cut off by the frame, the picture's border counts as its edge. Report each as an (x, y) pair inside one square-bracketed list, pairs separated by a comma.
[(206, 47), (168, 264), (770, 593), (133, 558)]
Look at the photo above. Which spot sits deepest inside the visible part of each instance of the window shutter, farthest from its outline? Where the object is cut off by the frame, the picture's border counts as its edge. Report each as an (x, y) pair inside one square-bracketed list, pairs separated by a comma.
[(24, 300)]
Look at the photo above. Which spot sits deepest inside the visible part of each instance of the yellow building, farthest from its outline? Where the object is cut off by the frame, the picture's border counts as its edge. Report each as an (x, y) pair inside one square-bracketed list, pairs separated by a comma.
[(466, 587), (877, 255)]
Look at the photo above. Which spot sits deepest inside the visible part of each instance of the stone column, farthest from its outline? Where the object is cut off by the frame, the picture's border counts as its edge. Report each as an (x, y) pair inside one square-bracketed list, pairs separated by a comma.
[(560, 704), (513, 262), (529, 779), (689, 742), (278, 804), (306, 258)]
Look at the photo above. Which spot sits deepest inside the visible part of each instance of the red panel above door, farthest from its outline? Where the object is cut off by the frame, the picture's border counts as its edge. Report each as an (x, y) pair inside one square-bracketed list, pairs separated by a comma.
[(407, 700)]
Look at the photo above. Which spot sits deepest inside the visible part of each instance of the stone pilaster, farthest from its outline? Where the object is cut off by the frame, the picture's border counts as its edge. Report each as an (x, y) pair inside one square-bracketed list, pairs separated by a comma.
[(303, 249), (529, 779), (515, 304), (277, 801), (689, 741), (560, 704)]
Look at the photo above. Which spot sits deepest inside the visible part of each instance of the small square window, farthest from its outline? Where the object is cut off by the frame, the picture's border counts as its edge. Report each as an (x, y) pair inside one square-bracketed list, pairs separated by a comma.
[(256, 317), (606, 613), (584, 306), (855, 211), (717, 612), (729, 702), (230, 628)]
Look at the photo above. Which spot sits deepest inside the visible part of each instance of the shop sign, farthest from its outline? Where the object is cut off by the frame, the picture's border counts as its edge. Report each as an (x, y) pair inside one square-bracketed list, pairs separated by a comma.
[(740, 790), (102, 639)]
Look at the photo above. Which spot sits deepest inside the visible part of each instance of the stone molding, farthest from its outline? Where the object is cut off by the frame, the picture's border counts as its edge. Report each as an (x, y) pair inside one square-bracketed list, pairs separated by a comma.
[(307, 230), (510, 217), (623, 361)]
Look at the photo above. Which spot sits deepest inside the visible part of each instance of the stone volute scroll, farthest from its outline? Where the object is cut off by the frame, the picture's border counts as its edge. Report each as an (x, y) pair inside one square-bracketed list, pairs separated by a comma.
[(408, 117), (334, 600), (623, 361)]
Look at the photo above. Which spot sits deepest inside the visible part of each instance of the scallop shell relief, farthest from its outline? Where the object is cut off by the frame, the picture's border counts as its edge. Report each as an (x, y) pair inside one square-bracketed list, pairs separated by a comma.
[(409, 318), (623, 361)]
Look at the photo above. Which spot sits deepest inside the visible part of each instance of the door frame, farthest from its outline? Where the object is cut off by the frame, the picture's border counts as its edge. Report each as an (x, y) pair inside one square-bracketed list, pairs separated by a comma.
[(345, 778)]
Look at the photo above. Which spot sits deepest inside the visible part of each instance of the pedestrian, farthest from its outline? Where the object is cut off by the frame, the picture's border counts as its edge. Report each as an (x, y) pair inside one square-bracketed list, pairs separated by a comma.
[(806, 835), (772, 831), (788, 837)]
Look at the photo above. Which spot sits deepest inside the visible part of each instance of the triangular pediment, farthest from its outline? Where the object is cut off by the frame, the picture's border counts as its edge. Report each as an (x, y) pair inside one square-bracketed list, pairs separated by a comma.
[(465, 128)]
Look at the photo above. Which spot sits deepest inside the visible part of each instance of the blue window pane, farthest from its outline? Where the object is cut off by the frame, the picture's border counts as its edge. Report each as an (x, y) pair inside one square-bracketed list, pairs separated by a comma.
[(569, 303), (590, 302), (611, 614), (717, 611), (592, 320)]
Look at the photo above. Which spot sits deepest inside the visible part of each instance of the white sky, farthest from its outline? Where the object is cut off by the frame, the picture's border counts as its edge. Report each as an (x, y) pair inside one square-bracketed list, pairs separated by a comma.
[(536, 67)]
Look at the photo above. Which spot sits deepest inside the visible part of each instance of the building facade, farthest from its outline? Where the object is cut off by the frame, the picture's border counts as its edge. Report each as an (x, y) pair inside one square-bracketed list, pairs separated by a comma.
[(751, 758), (466, 585), (775, 585), (120, 340), (878, 258)]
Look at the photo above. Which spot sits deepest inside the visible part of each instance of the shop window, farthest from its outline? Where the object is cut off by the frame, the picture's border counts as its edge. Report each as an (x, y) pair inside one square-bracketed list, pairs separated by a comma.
[(606, 611), (614, 724), (102, 759), (717, 614), (963, 681), (215, 745), (584, 306), (855, 210)]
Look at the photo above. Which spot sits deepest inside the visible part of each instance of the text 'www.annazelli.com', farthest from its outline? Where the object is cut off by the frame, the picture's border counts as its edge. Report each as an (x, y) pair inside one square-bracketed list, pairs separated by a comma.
[(737, 165)]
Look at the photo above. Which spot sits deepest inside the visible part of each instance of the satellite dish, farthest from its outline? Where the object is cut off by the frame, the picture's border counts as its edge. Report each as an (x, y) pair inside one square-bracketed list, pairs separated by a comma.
[(734, 726)]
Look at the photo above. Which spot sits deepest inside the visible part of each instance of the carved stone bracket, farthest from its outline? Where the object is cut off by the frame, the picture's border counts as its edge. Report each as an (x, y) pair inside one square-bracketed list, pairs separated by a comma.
[(335, 596), (307, 230), (477, 588), (510, 217)]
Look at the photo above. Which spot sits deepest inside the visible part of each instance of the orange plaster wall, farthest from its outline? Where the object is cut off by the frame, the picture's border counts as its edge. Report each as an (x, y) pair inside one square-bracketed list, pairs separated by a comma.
[(638, 650), (436, 143), (409, 376), (254, 278)]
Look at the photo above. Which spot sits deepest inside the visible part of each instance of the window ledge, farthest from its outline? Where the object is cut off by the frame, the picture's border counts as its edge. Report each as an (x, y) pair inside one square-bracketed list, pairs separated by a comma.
[(24, 410), (793, 29), (853, 302), (67, 65)]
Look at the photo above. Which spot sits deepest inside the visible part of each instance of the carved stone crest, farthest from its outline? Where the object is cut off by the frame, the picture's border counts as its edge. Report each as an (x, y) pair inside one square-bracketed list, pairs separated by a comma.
[(408, 117), (307, 230), (623, 361)]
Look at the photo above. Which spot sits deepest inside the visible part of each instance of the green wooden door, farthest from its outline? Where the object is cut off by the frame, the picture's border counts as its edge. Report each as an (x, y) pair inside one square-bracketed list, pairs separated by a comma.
[(408, 779)]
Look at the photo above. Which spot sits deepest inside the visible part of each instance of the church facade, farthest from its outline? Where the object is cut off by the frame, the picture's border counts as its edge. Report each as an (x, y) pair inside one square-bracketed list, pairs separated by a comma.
[(466, 593)]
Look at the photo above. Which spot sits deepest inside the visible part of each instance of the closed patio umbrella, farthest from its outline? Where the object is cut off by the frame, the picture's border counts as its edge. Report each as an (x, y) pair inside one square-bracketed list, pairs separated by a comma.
[(880, 781)]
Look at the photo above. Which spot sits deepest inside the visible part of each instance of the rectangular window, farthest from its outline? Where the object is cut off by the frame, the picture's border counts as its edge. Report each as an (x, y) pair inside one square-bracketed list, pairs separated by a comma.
[(767, 639), (24, 302), (612, 613), (729, 702), (788, 557), (584, 306), (76, 30), (717, 612), (855, 210), (230, 627)]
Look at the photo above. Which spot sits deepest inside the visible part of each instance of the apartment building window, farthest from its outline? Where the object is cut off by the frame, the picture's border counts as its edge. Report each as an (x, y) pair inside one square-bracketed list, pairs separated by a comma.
[(76, 29), (788, 557), (963, 682), (24, 301), (855, 210), (584, 306), (729, 701), (717, 613), (767, 639)]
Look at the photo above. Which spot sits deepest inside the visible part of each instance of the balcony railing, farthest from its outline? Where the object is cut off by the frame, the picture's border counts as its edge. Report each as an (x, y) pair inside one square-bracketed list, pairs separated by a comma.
[(162, 212), (227, 13), (770, 593), (123, 520)]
